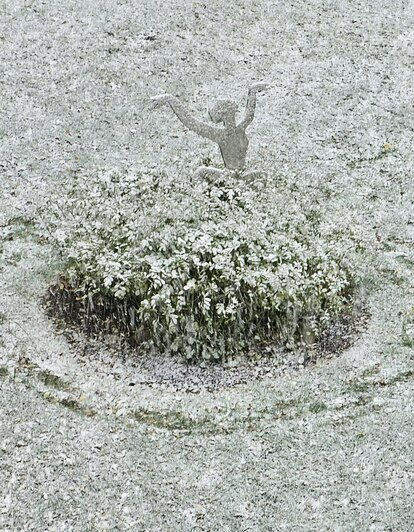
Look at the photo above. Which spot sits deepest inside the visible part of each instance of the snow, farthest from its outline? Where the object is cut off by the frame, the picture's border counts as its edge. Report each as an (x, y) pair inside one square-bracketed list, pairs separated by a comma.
[(328, 447)]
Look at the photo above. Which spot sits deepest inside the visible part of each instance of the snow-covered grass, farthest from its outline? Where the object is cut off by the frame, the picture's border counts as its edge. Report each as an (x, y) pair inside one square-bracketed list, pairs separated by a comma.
[(325, 448)]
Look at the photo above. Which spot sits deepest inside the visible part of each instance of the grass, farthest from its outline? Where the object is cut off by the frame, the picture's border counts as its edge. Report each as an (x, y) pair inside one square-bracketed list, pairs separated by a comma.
[(71, 404), (326, 448), (20, 227), (51, 380)]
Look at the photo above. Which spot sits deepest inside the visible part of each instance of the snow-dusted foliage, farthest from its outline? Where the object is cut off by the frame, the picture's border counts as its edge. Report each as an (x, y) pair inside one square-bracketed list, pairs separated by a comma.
[(203, 270)]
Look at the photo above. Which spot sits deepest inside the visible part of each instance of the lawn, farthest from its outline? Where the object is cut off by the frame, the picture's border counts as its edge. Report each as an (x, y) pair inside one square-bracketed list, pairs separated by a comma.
[(93, 441)]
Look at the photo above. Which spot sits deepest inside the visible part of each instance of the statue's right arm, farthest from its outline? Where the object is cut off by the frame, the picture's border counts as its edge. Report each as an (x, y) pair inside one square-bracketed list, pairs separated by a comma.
[(184, 115)]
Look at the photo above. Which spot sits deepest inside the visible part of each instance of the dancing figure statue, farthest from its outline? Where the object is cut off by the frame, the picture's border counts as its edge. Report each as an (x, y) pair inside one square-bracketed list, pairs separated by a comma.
[(230, 136)]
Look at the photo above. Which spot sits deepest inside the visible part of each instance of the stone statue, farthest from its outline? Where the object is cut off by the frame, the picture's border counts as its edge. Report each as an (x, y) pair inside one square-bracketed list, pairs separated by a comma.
[(230, 136)]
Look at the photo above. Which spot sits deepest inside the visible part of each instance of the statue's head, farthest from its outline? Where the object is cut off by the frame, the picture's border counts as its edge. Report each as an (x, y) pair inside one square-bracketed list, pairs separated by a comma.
[(223, 111)]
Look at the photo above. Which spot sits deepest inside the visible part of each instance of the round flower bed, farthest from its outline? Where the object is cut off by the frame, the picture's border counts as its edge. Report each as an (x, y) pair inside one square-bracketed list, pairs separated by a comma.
[(203, 270)]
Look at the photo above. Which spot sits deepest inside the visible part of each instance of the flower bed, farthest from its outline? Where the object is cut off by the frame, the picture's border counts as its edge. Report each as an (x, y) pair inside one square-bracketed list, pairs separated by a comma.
[(202, 270)]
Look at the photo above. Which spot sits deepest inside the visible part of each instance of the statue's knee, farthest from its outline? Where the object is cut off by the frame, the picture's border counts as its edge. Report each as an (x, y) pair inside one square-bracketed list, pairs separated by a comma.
[(201, 172), (256, 179), (208, 174)]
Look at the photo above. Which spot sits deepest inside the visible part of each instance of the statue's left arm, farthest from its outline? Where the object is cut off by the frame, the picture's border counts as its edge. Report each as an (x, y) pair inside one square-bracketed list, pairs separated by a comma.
[(251, 103)]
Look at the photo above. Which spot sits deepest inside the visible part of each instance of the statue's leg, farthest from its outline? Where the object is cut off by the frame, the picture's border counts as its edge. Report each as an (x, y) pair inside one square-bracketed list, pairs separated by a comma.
[(208, 174), (256, 179)]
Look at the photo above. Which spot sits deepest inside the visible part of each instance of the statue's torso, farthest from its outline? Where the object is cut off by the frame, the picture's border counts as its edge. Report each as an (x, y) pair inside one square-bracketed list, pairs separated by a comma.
[(233, 147)]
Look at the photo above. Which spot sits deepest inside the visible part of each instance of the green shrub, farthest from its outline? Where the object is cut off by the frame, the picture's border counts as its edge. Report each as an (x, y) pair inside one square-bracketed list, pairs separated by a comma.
[(203, 270)]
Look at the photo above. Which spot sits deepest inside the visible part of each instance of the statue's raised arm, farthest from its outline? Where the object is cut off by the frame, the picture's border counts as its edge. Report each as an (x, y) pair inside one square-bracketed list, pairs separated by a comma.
[(201, 128), (230, 136), (251, 103)]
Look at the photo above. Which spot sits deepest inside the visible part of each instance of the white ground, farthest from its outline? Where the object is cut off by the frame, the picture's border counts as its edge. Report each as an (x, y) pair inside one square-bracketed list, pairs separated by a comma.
[(327, 448)]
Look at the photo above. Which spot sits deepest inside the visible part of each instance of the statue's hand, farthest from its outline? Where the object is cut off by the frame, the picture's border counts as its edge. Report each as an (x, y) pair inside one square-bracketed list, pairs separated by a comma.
[(160, 100), (259, 87)]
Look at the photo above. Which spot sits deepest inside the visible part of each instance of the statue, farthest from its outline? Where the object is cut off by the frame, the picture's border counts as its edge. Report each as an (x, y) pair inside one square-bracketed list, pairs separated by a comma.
[(230, 136)]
